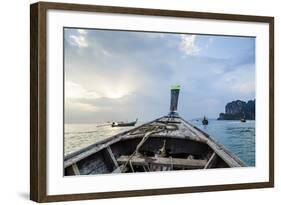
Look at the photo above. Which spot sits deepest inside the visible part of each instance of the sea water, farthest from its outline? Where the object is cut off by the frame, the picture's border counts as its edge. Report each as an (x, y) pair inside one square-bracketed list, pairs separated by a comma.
[(78, 136), (236, 136)]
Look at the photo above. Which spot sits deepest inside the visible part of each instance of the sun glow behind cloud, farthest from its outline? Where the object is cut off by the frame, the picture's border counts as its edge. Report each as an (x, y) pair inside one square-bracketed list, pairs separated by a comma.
[(106, 90), (80, 99), (76, 91)]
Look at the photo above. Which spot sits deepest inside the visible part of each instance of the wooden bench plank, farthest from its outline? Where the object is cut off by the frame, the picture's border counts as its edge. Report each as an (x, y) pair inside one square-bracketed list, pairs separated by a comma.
[(75, 169), (119, 169), (211, 161), (162, 161), (111, 155)]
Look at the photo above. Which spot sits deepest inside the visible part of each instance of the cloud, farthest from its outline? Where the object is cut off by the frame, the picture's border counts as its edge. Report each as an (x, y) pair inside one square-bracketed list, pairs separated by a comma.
[(188, 45), (82, 31), (123, 75), (106, 53), (209, 43), (152, 35), (79, 41), (77, 106), (245, 88), (76, 91), (240, 82), (104, 89)]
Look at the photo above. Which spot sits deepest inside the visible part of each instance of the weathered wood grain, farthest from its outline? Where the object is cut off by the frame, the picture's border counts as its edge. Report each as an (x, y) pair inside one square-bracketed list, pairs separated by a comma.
[(119, 169), (75, 169), (162, 161), (212, 160), (111, 155)]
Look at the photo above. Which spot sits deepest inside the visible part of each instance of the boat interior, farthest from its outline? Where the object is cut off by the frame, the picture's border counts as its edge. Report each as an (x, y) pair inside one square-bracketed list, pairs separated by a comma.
[(156, 154)]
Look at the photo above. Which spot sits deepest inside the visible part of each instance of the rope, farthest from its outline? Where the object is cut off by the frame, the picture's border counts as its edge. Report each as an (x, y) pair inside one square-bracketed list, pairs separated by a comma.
[(154, 129), (132, 168), (141, 143)]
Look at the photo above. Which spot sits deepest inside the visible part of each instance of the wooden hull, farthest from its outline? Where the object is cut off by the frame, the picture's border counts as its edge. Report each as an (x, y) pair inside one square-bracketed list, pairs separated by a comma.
[(205, 122), (124, 124), (179, 146)]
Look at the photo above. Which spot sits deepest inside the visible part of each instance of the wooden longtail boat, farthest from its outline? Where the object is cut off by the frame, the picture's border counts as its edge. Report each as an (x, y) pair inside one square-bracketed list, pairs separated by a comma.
[(165, 144), (205, 121), (124, 124), (243, 120)]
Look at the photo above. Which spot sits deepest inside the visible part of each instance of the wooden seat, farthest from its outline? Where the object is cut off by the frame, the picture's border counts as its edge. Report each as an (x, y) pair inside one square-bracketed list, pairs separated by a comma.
[(162, 161)]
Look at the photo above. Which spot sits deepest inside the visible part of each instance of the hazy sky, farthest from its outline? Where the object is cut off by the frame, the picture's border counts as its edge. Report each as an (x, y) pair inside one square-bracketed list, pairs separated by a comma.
[(121, 75)]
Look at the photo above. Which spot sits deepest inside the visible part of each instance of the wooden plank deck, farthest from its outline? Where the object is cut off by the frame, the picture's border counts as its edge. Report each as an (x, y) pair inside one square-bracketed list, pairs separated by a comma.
[(162, 161)]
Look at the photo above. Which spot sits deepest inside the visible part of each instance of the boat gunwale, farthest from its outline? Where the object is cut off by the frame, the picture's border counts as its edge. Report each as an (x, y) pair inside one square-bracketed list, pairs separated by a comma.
[(204, 138)]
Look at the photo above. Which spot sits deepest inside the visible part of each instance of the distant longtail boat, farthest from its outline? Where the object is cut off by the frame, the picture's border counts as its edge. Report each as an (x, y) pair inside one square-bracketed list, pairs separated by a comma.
[(205, 121), (124, 124)]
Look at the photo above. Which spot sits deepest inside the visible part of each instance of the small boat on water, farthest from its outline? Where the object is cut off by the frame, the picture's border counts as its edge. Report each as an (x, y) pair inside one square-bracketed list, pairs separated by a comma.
[(165, 144), (124, 124), (205, 121), (243, 120)]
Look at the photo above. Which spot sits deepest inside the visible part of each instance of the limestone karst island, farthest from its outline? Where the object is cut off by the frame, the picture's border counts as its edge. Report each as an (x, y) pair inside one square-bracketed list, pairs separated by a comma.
[(237, 110)]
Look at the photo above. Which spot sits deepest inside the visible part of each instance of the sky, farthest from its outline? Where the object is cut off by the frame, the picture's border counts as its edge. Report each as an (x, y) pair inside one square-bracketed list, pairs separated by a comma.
[(123, 75)]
